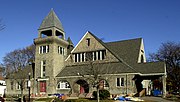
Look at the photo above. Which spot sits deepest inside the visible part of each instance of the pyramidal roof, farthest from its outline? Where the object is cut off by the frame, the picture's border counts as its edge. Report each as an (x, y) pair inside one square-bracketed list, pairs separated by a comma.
[(51, 20), (70, 41)]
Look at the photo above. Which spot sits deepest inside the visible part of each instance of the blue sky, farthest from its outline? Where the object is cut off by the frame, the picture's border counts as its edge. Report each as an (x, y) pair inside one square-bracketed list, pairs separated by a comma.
[(156, 21)]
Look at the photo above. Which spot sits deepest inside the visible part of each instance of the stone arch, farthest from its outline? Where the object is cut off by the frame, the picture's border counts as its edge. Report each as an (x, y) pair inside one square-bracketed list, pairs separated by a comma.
[(81, 86)]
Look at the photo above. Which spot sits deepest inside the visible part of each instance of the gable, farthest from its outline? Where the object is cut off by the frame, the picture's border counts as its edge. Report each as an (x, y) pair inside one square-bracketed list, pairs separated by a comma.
[(142, 57), (90, 43), (82, 46)]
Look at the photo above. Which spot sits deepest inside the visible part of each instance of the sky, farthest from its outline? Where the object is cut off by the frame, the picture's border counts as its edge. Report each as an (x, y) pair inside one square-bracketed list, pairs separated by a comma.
[(156, 21)]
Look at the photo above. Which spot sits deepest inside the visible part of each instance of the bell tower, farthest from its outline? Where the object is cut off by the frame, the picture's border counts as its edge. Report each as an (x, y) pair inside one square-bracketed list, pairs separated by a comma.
[(51, 51)]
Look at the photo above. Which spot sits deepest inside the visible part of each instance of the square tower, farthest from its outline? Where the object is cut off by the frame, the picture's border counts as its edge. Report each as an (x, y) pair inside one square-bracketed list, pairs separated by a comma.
[(51, 51)]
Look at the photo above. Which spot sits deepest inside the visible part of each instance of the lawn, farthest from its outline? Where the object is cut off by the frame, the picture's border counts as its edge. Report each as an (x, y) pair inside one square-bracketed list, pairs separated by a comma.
[(70, 100)]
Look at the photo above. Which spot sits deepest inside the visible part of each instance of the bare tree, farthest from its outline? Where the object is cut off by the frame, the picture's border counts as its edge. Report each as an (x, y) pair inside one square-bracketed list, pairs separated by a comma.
[(2, 26), (17, 67), (94, 70), (170, 53), (2, 68), (18, 59)]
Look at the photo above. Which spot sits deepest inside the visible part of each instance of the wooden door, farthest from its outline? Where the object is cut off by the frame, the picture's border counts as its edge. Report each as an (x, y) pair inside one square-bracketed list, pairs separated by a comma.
[(81, 89), (43, 86)]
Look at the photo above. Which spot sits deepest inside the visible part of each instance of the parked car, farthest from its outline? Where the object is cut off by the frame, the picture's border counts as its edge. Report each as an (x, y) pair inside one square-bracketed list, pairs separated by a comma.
[(176, 92)]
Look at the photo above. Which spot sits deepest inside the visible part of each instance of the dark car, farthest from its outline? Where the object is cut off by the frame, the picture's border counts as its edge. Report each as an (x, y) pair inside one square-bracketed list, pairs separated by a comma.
[(176, 92)]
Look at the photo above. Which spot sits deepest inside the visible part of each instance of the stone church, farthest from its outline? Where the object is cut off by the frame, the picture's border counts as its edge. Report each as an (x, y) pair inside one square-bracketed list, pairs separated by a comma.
[(60, 67)]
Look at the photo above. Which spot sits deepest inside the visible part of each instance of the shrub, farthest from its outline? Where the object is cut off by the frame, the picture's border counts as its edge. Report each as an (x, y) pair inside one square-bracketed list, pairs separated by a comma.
[(103, 94)]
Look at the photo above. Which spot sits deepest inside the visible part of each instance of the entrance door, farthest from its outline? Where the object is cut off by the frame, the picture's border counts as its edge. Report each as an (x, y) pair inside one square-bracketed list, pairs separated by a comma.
[(43, 86), (81, 89), (83, 86)]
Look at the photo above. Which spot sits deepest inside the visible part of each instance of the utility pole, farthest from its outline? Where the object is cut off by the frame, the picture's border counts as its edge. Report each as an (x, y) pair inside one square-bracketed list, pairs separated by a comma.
[(29, 85), (126, 84)]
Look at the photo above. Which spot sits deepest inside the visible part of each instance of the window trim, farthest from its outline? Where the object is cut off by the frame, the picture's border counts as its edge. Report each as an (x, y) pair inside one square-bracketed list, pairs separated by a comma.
[(61, 50), (88, 56), (43, 49), (88, 41), (119, 82), (63, 85), (43, 68)]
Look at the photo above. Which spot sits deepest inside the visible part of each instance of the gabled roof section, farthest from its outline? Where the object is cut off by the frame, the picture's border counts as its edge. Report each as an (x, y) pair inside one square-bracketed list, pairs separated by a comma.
[(51, 20), (112, 50), (127, 50)]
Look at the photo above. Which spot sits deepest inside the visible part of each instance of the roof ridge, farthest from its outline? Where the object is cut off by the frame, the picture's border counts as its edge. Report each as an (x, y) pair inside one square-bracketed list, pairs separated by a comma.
[(123, 40)]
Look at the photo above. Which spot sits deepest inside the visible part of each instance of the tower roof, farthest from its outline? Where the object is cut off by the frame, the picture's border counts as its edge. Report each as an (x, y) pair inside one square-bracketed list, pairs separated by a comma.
[(51, 20), (70, 41)]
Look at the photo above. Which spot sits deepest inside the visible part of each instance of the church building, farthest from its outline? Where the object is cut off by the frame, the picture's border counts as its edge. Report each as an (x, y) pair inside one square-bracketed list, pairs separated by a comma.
[(60, 67)]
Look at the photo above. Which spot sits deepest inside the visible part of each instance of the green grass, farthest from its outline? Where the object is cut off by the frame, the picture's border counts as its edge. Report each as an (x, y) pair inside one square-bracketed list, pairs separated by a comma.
[(44, 99), (78, 100), (86, 100), (71, 100)]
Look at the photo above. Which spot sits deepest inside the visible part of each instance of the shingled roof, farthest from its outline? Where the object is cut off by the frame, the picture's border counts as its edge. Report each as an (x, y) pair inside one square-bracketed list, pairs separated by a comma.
[(151, 68), (51, 20), (148, 68), (101, 68), (128, 50)]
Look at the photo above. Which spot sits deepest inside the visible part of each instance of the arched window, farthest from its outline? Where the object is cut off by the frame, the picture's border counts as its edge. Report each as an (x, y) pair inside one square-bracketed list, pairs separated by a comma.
[(63, 85)]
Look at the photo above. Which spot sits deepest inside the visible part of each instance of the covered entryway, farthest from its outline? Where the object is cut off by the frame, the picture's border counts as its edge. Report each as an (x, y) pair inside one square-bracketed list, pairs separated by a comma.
[(82, 86), (145, 84)]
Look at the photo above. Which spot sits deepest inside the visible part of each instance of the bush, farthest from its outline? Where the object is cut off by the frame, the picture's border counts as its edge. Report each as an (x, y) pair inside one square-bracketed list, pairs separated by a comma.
[(103, 94)]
